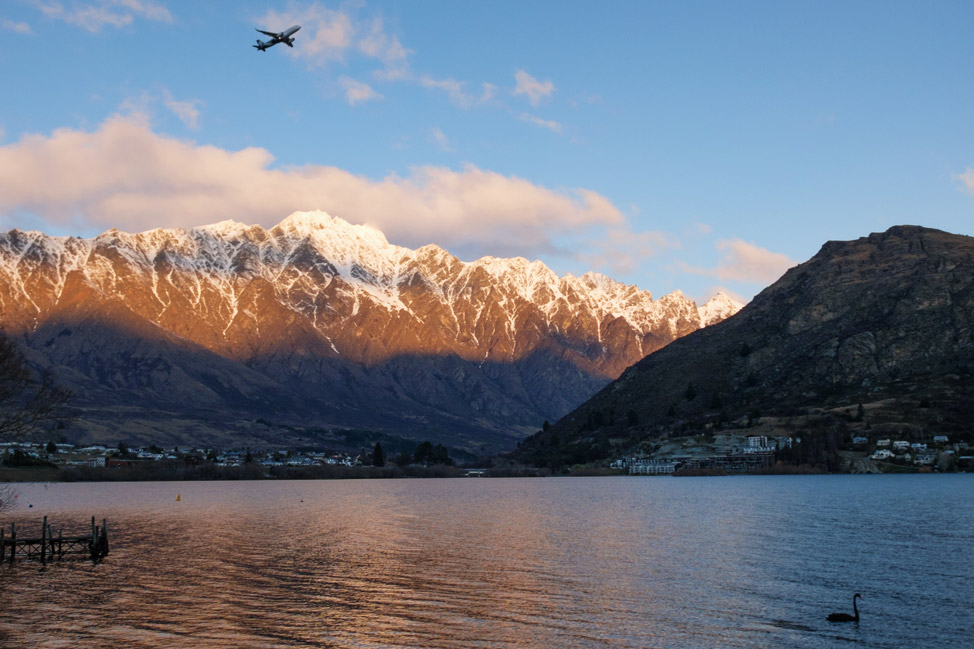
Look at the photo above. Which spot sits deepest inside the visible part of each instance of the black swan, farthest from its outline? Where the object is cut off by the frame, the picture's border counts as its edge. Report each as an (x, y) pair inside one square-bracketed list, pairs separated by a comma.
[(845, 617)]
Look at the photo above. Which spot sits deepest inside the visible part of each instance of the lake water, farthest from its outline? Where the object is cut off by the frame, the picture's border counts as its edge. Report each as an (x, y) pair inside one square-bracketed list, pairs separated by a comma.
[(532, 563)]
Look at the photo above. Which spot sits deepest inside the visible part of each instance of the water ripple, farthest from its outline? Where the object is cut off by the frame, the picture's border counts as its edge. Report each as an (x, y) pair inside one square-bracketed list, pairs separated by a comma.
[(614, 563)]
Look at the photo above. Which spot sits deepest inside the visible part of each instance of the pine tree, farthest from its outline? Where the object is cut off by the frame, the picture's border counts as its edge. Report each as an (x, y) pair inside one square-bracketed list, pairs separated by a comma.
[(378, 455)]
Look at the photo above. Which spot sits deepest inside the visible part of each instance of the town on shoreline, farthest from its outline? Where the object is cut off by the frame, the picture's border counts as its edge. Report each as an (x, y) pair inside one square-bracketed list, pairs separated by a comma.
[(689, 456)]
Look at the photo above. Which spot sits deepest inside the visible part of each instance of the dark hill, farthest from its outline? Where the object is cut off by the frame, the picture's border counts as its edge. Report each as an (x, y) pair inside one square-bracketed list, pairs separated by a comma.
[(883, 321)]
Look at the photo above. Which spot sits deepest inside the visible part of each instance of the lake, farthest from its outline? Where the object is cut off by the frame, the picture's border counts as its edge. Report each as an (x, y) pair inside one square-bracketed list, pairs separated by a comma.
[(742, 561)]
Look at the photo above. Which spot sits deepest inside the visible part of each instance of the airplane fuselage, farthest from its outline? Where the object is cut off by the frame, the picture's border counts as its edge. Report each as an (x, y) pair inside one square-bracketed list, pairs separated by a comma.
[(286, 37)]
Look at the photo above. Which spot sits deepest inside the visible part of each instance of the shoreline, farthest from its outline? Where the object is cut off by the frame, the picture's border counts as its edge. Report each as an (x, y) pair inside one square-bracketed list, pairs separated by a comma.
[(12, 475)]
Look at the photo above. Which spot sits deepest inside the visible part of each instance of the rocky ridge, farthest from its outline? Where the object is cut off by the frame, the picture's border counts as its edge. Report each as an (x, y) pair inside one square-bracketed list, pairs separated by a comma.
[(321, 322)]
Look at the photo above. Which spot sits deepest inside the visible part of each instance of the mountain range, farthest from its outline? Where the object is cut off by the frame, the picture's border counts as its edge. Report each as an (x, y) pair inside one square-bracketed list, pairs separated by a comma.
[(232, 334), (871, 337)]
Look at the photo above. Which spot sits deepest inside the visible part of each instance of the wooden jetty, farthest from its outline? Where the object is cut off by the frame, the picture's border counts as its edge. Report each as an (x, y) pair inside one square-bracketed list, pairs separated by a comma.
[(48, 547)]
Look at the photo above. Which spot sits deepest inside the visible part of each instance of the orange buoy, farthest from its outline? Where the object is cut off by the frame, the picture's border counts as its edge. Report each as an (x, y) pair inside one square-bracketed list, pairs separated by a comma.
[(178, 498)]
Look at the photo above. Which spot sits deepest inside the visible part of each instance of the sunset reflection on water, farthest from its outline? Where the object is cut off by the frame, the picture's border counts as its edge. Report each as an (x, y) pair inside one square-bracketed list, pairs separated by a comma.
[(645, 562)]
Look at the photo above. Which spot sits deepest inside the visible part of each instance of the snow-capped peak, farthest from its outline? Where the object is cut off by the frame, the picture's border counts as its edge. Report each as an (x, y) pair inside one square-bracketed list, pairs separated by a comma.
[(309, 223), (228, 227), (720, 307)]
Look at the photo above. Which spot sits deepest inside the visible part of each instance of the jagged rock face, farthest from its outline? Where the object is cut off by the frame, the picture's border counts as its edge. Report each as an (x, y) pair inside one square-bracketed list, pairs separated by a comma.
[(882, 319), (322, 321)]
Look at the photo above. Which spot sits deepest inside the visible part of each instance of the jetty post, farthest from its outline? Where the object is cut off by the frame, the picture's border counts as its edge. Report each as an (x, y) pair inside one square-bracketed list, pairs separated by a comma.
[(44, 541), (13, 541)]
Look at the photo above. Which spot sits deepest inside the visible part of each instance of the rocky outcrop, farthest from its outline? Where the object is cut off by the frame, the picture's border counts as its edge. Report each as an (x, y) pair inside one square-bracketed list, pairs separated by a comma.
[(884, 321), (317, 323)]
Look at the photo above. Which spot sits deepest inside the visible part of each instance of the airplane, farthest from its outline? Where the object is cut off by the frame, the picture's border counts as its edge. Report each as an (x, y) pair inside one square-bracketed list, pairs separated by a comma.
[(286, 37)]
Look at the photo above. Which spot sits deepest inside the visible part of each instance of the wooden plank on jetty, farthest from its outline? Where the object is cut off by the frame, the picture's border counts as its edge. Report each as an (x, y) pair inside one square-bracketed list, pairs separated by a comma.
[(47, 547)]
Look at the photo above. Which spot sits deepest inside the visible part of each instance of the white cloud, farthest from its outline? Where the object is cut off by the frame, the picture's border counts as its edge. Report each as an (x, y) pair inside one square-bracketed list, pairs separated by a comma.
[(186, 110), (966, 179), (623, 251), (93, 16), (746, 262), (357, 92), (455, 91), (139, 107), (442, 141), (487, 92), (534, 89), (19, 27), (387, 48), (125, 175), (543, 123), (142, 107)]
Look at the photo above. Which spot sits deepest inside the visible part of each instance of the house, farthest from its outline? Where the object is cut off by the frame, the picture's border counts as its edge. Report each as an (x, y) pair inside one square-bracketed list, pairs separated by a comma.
[(883, 454), (901, 446), (940, 439), (859, 440), (917, 446), (883, 443), (88, 461)]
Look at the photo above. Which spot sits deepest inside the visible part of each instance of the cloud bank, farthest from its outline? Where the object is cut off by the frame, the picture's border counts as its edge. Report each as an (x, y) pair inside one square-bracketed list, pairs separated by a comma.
[(127, 176)]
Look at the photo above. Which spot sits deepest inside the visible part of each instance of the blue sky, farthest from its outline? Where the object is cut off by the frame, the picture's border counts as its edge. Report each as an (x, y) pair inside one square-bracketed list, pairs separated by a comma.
[(694, 146)]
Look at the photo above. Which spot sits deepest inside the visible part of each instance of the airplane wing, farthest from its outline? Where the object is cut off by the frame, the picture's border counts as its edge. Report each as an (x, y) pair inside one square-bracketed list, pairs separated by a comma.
[(271, 34)]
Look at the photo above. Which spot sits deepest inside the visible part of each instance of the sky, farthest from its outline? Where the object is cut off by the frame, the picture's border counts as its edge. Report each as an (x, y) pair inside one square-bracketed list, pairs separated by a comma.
[(693, 146)]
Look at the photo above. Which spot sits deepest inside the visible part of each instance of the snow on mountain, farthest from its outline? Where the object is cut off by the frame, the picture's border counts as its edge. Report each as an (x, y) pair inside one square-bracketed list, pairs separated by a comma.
[(314, 293), (307, 251), (718, 308)]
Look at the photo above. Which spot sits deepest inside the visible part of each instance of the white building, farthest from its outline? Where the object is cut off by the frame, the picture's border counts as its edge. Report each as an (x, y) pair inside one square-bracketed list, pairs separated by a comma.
[(642, 466)]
